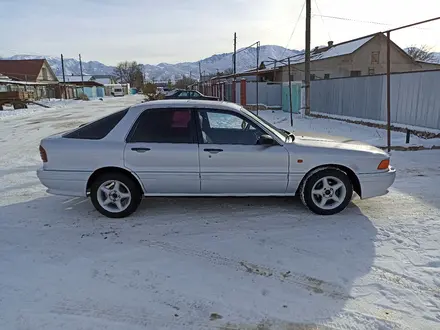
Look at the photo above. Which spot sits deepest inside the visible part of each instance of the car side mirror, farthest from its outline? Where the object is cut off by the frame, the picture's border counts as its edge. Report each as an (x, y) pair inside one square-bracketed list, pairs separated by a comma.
[(266, 140)]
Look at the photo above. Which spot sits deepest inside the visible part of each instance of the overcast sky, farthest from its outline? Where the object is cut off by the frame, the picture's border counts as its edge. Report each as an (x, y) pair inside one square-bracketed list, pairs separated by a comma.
[(153, 31)]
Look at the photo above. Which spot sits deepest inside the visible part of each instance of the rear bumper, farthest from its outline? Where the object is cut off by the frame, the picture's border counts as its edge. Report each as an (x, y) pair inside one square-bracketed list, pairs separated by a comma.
[(373, 185), (67, 183)]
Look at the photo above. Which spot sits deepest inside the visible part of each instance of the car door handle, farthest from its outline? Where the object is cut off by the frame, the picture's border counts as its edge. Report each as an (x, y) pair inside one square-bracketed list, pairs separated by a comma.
[(140, 149), (213, 151)]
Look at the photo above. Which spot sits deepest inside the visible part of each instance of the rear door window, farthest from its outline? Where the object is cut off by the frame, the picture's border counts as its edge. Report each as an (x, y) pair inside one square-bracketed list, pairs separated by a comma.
[(164, 126)]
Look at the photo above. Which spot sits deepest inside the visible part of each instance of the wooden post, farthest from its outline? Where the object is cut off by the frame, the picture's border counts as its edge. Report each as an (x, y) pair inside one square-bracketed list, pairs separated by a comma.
[(388, 91), (307, 56), (290, 94), (243, 92)]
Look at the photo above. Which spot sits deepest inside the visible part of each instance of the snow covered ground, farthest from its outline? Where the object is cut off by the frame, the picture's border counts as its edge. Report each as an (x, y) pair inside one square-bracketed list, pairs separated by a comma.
[(374, 136), (205, 263)]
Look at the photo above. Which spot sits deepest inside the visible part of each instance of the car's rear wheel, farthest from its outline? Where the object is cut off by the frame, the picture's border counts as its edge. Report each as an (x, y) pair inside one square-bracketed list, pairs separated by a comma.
[(326, 191), (115, 195)]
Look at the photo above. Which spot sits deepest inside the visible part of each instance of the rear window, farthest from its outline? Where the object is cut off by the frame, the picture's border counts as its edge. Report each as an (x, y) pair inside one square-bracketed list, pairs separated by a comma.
[(98, 129)]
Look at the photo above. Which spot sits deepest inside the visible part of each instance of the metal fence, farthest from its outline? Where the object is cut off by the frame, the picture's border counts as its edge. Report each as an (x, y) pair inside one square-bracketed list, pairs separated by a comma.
[(268, 93), (415, 98)]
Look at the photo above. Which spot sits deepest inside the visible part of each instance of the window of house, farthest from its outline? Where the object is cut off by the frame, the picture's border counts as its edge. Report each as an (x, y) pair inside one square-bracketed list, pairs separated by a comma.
[(220, 127), (327, 76), (163, 126), (375, 57), (371, 71), (44, 72), (98, 129), (355, 73), (292, 77)]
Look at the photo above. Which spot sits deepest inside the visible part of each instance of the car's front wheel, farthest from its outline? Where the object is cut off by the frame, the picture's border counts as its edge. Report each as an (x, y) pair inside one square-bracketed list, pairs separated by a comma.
[(326, 191), (115, 195)]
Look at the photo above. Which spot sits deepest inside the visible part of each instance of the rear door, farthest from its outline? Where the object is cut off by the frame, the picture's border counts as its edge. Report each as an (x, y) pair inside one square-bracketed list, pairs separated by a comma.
[(162, 150)]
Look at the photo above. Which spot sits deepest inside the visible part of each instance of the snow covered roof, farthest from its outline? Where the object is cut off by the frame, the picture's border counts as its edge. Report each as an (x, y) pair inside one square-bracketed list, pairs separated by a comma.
[(74, 78), (104, 81), (344, 48)]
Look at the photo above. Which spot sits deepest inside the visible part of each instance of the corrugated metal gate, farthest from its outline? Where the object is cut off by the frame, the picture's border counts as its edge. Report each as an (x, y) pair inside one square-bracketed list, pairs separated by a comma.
[(415, 98)]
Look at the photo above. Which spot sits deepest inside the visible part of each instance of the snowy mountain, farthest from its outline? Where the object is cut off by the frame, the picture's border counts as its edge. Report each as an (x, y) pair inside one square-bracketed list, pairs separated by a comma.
[(246, 59)]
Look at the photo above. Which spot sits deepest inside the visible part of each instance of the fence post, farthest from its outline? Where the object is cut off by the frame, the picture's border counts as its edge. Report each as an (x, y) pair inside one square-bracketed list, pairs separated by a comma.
[(243, 92)]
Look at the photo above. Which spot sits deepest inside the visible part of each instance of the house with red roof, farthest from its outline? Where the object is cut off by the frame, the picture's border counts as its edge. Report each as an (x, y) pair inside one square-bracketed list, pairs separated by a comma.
[(37, 70)]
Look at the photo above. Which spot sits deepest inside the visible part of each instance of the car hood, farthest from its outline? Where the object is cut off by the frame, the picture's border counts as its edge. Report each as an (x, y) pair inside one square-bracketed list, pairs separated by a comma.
[(319, 140)]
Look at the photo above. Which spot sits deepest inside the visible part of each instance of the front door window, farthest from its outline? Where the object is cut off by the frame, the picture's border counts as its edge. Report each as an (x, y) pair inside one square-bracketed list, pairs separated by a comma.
[(221, 127)]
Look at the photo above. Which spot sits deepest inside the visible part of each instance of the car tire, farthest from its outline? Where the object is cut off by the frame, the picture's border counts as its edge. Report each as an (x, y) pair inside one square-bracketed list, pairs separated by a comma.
[(326, 191), (115, 195)]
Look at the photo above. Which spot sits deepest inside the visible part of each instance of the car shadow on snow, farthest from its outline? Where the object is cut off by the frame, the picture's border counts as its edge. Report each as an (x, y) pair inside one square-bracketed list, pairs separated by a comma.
[(286, 263)]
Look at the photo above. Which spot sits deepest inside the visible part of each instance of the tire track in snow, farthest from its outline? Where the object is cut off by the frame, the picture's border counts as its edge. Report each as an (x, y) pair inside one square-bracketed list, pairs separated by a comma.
[(350, 319), (405, 282), (308, 283), (135, 316)]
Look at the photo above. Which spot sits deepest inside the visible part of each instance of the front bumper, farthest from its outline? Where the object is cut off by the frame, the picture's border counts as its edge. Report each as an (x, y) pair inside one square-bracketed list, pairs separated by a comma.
[(377, 184), (67, 183)]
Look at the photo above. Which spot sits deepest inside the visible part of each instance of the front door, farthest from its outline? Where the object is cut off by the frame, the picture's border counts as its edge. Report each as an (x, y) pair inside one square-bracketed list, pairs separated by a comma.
[(231, 161), (162, 150)]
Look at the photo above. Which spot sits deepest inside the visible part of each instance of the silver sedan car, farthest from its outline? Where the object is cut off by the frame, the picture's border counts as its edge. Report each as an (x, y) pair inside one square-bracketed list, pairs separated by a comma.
[(206, 148)]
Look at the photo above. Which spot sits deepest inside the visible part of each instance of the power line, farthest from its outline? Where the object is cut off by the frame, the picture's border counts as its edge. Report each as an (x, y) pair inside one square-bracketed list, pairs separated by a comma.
[(350, 19), (322, 19), (360, 21), (294, 28)]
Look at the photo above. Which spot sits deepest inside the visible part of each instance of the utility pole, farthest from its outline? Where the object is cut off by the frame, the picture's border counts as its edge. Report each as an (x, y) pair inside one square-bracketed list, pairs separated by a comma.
[(200, 71), (234, 68), (64, 76), (307, 56), (290, 94), (81, 69), (235, 54), (257, 76)]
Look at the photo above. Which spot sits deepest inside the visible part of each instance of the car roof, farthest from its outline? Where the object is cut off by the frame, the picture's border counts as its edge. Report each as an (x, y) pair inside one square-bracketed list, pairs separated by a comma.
[(190, 103)]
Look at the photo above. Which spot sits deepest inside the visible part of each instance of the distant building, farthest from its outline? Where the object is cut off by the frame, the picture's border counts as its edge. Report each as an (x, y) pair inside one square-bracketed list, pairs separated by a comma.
[(33, 76), (100, 79), (105, 79), (86, 83), (37, 70), (76, 78), (358, 57)]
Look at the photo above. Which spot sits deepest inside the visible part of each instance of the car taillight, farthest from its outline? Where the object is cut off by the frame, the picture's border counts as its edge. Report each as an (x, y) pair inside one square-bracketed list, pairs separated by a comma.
[(43, 154)]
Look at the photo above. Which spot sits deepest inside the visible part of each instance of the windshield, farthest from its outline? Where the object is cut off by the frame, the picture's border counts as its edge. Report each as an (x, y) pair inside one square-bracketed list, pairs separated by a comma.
[(280, 133)]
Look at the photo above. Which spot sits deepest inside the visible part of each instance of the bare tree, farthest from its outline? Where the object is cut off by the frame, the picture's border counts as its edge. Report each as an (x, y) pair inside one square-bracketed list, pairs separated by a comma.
[(421, 53), (130, 72)]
